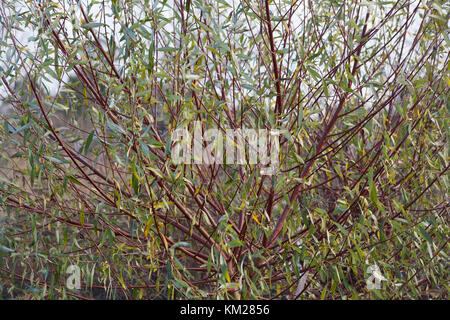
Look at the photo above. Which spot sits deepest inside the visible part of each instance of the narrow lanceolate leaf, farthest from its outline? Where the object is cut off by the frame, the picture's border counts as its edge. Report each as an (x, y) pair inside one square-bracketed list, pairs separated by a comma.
[(92, 25), (116, 128), (135, 182), (6, 249), (88, 142), (180, 244), (151, 58), (131, 34), (57, 160), (425, 234), (373, 191), (235, 243), (188, 5), (82, 217)]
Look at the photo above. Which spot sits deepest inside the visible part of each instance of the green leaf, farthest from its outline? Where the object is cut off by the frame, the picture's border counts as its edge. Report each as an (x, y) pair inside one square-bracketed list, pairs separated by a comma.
[(373, 191), (425, 234), (6, 249), (88, 142), (56, 160), (180, 244), (82, 217), (135, 182), (188, 5), (114, 127), (151, 58), (167, 49), (342, 229), (235, 243), (130, 33), (92, 25)]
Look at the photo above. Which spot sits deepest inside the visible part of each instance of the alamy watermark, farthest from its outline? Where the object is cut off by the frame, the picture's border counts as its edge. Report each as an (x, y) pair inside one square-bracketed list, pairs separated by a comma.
[(375, 279), (74, 279), (230, 146)]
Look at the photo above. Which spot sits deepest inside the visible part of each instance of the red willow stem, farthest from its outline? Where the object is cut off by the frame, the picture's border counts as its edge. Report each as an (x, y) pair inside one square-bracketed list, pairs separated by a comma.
[(319, 147), (276, 73)]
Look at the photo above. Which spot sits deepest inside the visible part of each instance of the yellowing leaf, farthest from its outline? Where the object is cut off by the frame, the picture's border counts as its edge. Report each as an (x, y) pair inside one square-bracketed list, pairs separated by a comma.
[(255, 218)]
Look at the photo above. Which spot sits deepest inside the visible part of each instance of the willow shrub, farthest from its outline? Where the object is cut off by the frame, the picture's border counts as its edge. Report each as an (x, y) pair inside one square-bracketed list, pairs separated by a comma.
[(92, 92)]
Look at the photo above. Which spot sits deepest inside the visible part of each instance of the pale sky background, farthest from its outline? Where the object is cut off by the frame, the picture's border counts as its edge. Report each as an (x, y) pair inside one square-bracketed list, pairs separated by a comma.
[(25, 35)]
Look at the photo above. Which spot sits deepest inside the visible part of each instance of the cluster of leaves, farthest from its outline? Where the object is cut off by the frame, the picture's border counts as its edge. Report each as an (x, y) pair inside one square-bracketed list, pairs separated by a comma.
[(93, 90)]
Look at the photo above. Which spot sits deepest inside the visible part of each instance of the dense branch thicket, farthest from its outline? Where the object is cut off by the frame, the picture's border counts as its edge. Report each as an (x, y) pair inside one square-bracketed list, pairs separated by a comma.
[(92, 92)]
